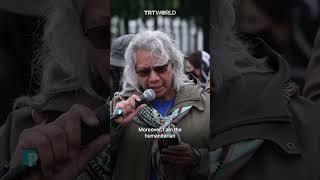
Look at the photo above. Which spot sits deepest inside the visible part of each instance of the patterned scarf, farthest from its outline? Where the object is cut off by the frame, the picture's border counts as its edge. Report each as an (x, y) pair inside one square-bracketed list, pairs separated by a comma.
[(150, 117), (100, 167), (227, 160)]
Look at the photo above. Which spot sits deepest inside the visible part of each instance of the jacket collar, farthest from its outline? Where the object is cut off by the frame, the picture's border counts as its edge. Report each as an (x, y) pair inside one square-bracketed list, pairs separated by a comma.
[(253, 106), (190, 95)]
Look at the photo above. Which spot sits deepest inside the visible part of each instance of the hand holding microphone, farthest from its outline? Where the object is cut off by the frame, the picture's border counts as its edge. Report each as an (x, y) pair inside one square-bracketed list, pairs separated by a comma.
[(126, 110), (60, 146), (65, 145)]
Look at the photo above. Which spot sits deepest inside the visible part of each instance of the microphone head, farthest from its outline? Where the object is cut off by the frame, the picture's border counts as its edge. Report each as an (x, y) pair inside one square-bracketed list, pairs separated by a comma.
[(149, 95)]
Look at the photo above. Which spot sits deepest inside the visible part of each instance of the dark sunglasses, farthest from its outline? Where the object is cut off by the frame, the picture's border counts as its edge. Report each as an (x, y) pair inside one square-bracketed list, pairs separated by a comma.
[(147, 71)]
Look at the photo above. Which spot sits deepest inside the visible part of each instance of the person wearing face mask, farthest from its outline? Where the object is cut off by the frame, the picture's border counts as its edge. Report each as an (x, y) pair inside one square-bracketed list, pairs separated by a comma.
[(74, 82), (152, 61), (198, 64)]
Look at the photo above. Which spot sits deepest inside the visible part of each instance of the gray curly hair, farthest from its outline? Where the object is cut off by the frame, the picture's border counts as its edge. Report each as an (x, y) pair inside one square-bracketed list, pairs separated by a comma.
[(162, 46)]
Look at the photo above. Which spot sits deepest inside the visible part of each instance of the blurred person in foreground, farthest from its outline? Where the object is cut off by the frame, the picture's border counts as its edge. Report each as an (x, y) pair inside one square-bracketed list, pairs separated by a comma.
[(154, 62), (74, 82), (260, 127), (198, 64)]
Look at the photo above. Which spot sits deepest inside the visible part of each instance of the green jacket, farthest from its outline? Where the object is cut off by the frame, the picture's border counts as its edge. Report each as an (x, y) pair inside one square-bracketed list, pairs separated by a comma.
[(134, 152), (262, 105)]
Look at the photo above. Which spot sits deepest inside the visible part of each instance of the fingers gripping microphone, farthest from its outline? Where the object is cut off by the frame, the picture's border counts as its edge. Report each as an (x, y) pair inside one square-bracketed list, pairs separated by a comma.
[(148, 95), (88, 134)]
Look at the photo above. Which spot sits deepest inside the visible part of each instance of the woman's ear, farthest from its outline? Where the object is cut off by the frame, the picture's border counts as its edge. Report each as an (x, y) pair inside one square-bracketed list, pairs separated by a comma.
[(25, 7)]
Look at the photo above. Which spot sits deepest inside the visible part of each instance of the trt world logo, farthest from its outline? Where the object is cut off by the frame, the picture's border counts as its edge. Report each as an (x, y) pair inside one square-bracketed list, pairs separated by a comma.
[(160, 12)]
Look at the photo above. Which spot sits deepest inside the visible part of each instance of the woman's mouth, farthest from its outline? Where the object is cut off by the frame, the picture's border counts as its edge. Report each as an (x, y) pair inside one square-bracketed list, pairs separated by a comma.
[(157, 89)]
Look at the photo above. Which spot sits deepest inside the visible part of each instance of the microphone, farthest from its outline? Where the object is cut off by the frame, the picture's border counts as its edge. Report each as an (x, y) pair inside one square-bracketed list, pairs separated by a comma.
[(148, 95), (88, 133)]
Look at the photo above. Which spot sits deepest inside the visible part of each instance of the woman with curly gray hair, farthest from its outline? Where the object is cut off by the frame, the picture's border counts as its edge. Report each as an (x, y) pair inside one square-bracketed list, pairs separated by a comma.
[(154, 62), (161, 46)]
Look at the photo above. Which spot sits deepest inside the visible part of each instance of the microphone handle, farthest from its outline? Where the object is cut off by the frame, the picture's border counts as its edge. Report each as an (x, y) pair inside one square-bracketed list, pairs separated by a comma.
[(120, 113), (114, 117), (89, 133)]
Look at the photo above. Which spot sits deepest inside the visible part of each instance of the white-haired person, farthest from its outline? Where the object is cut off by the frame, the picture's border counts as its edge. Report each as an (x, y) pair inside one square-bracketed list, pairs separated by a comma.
[(261, 128), (73, 83), (152, 61)]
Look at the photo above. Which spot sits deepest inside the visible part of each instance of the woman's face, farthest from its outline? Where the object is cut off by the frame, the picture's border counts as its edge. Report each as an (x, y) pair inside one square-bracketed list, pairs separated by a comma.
[(191, 69), (152, 74), (189, 66), (96, 26)]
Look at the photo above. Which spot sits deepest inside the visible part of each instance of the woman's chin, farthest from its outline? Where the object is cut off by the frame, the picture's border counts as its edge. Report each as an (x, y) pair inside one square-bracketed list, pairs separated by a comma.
[(159, 96)]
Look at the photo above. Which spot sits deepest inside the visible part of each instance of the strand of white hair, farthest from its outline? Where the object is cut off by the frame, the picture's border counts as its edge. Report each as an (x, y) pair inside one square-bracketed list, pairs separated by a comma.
[(63, 55)]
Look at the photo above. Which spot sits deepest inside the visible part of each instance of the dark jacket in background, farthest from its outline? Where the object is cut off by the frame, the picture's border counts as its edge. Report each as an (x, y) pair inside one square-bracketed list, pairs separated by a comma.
[(263, 105), (312, 87)]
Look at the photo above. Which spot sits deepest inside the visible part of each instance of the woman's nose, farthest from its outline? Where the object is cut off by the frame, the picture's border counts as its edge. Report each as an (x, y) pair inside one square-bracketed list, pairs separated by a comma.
[(154, 76)]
